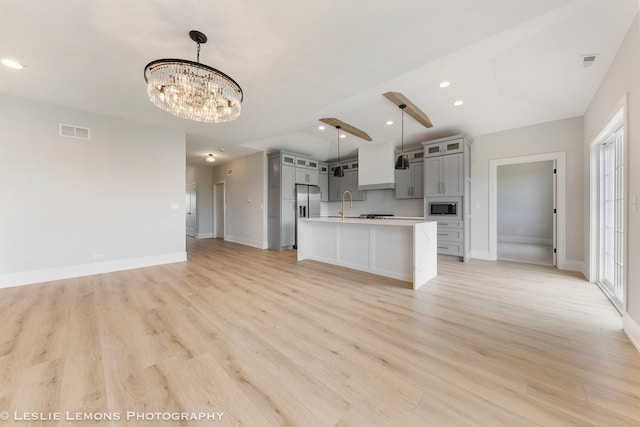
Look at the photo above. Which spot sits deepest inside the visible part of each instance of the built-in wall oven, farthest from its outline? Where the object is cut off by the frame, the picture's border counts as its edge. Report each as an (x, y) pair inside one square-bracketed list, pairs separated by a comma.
[(443, 208)]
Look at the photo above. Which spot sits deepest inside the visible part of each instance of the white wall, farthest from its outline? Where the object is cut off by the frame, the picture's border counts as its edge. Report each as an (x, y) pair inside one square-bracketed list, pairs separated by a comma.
[(562, 135), (525, 203), (65, 200), (246, 199), (622, 79)]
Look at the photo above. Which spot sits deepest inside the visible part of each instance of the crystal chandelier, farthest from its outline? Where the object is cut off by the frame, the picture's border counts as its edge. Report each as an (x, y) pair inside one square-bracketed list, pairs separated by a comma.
[(192, 90)]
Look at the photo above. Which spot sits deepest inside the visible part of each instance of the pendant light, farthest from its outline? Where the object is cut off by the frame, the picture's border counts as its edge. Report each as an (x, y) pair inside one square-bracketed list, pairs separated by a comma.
[(339, 172), (403, 160)]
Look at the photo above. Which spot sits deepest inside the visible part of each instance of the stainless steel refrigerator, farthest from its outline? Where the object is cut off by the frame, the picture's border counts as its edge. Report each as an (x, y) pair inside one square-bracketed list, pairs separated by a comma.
[(308, 203)]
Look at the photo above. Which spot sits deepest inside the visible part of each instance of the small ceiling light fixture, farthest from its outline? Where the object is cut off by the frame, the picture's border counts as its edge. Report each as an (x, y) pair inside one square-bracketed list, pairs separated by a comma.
[(12, 64), (343, 136), (403, 160), (192, 90), (389, 122), (458, 103), (445, 84), (339, 172), (211, 159), (321, 127)]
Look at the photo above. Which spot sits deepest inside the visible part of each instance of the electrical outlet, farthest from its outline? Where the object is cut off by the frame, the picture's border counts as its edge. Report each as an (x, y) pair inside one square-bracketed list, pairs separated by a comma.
[(174, 206)]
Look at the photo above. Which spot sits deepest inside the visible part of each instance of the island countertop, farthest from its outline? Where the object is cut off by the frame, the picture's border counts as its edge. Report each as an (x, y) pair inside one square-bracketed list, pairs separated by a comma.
[(398, 222)]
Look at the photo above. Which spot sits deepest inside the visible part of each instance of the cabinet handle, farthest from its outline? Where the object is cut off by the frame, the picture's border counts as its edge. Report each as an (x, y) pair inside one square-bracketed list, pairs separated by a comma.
[(443, 247), (442, 234)]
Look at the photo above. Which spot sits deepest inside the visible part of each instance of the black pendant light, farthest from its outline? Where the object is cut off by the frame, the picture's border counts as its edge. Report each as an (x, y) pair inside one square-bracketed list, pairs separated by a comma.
[(403, 160), (339, 172)]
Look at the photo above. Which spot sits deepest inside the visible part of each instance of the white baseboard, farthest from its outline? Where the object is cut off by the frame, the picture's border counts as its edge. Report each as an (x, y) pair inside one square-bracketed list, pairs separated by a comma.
[(525, 239), (59, 273), (204, 236), (632, 329), (485, 255), (247, 242)]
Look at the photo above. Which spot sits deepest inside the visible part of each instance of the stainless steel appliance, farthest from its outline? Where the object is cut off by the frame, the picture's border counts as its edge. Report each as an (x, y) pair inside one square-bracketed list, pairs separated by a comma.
[(375, 216), (308, 203), (438, 208)]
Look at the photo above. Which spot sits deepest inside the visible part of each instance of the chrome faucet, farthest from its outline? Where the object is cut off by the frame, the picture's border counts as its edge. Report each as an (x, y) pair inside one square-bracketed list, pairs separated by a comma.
[(350, 202)]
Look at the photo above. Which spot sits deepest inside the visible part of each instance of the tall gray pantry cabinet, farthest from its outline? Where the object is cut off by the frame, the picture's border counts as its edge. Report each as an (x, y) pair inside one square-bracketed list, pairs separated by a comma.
[(447, 182)]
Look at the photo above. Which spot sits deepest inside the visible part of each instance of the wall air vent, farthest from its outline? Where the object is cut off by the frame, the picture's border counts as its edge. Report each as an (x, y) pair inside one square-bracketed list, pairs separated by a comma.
[(229, 172), (71, 131), (588, 60)]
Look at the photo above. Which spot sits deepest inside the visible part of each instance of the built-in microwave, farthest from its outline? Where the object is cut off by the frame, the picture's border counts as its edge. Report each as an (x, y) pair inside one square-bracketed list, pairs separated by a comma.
[(443, 208)]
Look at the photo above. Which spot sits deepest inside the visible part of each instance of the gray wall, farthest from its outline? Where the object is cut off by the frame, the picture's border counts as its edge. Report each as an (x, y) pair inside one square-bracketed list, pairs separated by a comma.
[(246, 199), (622, 79), (65, 200), (525, 203), (561, 135)]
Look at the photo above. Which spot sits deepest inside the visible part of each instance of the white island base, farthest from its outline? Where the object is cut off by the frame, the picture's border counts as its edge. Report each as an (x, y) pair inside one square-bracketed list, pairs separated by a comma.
[(401, 249)]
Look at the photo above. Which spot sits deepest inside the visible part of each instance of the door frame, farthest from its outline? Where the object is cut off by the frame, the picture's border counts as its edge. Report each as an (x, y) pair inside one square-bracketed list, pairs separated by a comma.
[(618, 119), (560, 161), (189, 211), (217, 188)]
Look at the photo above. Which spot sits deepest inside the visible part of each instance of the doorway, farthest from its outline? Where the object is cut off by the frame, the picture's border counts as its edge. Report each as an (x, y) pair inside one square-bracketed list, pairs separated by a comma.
[(219, 210), (525, 209), (190, 210), (559, 206)]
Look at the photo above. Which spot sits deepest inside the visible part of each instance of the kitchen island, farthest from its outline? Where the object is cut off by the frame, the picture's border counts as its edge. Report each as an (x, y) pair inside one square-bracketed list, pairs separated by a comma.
[(398, 248)]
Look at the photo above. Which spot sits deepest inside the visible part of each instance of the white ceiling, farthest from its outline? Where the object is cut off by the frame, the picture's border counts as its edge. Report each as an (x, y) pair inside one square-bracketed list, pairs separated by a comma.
[(513, 62)]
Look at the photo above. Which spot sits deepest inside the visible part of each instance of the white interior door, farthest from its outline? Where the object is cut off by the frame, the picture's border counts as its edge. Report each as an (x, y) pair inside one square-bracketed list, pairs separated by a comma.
[(190, 210)]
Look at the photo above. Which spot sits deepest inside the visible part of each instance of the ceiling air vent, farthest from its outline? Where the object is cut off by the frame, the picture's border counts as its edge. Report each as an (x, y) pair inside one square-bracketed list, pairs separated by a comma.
[(588, 60), (71, 131)]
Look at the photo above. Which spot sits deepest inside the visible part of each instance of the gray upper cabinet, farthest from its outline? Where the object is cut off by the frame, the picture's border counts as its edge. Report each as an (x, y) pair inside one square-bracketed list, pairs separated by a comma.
[(338, 185), (444, 175), (444, 168), (323, 181), (306, 171), (410, 182)]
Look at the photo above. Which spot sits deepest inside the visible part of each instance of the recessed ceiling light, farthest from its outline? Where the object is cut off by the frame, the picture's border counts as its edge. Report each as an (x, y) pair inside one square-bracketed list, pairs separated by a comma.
[(389, 122), (211, 159), (458, 103), (342, 135), (12, 64), (445, 84), (321, 127)]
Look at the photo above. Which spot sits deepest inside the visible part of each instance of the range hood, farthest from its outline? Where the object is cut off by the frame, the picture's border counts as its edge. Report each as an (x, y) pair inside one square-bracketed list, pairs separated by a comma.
[(376, 167)]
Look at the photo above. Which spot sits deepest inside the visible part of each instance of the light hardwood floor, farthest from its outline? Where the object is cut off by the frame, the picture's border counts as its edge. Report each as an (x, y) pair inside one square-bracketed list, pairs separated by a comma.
[(269, 341)]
